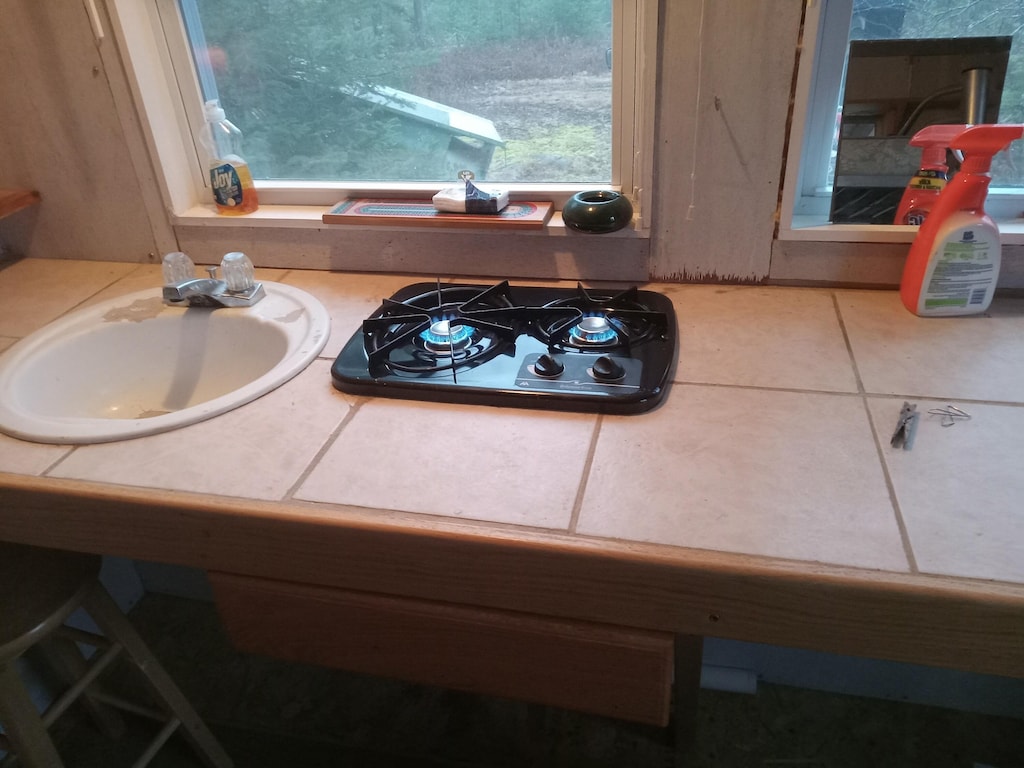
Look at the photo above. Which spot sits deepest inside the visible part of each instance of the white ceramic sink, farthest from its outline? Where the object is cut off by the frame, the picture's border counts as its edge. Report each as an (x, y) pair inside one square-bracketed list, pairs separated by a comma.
[(132, 366)]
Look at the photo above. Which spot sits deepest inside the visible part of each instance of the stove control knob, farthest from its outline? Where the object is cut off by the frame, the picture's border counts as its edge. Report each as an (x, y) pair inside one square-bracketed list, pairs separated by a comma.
[(606, 369), (548, 367)]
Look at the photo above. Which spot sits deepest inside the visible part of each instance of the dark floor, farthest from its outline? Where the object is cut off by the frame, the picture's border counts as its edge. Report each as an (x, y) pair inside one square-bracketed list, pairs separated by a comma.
[(271, 714)]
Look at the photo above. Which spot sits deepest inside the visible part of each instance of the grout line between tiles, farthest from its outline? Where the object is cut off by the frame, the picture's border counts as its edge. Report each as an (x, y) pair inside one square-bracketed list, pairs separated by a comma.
[(840, 393), (285, 274), (940, 399), (93, 295), (319, 455), (849, 344), (763, 388), (58, 461), (577, 505), (908, 549), (901, 525)]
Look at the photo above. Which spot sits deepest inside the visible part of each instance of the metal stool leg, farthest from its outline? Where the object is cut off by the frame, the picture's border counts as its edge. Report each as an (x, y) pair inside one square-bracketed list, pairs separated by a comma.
[(24, 726), (116, 627)]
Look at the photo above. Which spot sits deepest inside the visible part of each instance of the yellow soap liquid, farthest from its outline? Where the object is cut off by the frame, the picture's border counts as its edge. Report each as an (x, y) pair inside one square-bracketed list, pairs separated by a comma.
[(234, 193)]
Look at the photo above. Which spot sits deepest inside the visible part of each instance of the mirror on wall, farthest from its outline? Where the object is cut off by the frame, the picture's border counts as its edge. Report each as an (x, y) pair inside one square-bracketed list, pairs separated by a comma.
[(893, 89)]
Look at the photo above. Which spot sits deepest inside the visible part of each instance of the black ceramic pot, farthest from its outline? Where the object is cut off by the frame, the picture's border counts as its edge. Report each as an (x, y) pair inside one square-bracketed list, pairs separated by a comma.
[(597, 212)]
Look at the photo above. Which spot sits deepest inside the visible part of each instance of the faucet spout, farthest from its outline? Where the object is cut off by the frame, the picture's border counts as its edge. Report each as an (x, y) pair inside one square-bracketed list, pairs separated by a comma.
[(195, 288), (210, 292)]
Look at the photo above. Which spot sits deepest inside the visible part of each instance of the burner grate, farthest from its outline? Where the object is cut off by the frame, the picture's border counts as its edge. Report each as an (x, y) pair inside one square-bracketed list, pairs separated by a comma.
[(619, 321), (407, 336), (545, 347)]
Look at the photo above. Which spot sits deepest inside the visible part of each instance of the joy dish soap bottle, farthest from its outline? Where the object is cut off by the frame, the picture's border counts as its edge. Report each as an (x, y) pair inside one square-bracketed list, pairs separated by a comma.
[(925, 186), (233, 190), (954, 261)]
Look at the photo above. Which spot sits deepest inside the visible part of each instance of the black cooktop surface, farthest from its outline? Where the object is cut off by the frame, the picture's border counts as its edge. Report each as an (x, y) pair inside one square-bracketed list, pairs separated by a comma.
[(571, 349)]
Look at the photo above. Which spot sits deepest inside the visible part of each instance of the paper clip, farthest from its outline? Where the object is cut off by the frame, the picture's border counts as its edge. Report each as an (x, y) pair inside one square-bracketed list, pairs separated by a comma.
[(950, 415)]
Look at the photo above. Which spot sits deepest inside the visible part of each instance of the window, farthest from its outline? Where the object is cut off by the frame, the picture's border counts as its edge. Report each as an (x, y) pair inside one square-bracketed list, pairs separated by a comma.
[(837, 27), (329, 94)]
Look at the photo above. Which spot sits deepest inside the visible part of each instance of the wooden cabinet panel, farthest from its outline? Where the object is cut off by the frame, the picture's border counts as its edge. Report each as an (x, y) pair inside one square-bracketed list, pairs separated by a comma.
[(598, 668)]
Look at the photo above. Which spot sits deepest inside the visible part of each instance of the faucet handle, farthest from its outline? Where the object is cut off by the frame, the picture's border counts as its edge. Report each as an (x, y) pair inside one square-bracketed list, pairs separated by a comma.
[(177, 268), (238, 272)]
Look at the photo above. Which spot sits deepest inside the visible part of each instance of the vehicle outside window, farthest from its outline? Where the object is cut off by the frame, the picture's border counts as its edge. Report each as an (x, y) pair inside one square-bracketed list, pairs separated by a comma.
[(411, 90)]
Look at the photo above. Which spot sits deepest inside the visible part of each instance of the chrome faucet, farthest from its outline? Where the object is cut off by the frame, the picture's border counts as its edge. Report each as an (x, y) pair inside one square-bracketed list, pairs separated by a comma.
[(213, 292)]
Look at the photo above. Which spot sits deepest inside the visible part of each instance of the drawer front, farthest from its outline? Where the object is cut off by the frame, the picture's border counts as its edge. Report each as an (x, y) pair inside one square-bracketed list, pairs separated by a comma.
[(598, 668)]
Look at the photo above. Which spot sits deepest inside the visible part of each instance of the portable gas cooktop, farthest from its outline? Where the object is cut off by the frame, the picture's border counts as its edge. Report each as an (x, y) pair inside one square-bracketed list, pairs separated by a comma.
[(581, 349)]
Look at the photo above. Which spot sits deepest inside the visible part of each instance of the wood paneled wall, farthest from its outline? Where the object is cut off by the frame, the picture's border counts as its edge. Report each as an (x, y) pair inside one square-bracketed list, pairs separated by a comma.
[(61, 135), (727, 70)]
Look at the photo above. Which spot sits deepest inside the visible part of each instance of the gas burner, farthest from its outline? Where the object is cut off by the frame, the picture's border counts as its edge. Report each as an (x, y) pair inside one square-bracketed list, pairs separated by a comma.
[(546, 347), (439, 330), (619, 320), (444, 337), (594, 331)]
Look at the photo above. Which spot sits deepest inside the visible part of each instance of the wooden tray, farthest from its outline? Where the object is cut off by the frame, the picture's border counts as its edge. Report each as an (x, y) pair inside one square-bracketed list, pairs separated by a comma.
[(421, 213)]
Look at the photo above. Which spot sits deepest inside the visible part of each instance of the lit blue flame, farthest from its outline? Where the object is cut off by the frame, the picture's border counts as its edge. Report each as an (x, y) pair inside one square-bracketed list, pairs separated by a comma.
[(444, 332), (594, 329)]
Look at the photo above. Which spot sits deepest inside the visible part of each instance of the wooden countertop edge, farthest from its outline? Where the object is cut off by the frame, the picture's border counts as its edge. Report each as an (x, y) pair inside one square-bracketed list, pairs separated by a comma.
[(968, 624)]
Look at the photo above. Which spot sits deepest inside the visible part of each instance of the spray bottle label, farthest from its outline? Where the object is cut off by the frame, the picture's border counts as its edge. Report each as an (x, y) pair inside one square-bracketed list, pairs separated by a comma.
[(964, 274), (227, 187), (933, 181)]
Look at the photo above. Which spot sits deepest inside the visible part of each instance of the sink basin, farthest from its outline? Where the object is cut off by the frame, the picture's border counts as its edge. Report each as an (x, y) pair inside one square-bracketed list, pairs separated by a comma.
[(132, 366)]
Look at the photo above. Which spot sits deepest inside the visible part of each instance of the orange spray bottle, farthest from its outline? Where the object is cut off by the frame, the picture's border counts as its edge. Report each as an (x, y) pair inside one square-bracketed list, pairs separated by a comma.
[(923, 189), (954, 261)]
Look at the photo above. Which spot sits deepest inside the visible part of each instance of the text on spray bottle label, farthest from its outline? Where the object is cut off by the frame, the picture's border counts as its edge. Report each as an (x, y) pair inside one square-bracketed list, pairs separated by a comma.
[(962, 275)]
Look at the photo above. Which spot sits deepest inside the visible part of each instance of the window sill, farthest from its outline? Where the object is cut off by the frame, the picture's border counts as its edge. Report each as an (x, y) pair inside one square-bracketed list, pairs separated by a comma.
[(310, 217), (817, 228)]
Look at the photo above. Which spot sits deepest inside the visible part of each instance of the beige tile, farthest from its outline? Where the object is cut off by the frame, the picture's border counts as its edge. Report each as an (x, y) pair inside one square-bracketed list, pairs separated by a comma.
[(25, 458), (349, 297), (761, 337), (256, 451), (960, 488), (143, 277), (979, 357), (778, 474), (496, 464), (34, 292)]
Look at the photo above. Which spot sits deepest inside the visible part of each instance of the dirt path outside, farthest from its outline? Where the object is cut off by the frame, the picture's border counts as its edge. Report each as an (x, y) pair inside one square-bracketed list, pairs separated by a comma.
[(555, 129)]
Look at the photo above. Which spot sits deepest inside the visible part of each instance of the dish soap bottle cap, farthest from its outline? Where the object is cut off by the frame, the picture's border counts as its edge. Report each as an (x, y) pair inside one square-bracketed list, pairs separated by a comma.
[(213, 111)]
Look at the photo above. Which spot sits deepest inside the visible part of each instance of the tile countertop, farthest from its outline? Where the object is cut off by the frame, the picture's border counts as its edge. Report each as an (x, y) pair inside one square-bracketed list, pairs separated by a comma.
[(761, 501)]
